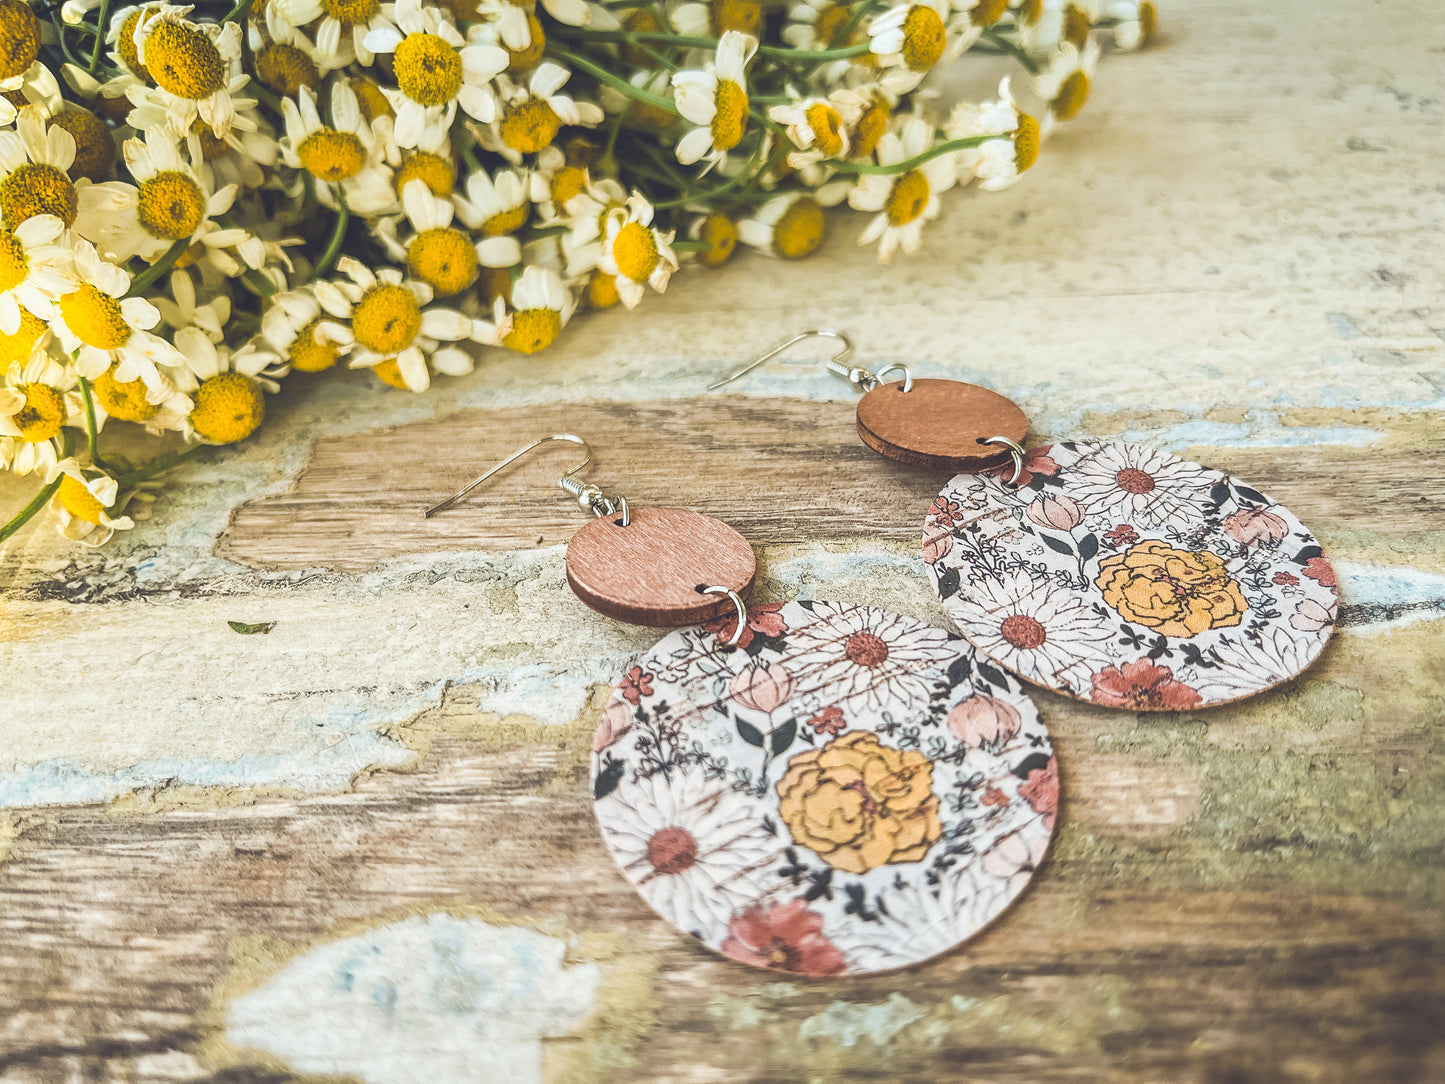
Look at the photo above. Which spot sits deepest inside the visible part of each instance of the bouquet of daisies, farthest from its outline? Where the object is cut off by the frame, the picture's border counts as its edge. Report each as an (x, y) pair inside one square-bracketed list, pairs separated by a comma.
[(198, 200)]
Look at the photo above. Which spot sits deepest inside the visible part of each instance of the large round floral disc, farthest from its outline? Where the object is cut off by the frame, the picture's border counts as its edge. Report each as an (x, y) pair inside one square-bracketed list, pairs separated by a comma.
[(847, 791), (1123, 575)]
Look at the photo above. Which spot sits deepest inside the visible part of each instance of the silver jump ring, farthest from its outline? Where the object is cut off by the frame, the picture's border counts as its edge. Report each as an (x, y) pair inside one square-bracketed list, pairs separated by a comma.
[(738, 604), (1016, 453), (900, 367)]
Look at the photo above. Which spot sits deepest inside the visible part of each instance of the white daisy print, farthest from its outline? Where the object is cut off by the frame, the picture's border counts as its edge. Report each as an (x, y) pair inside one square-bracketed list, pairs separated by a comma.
[(905, 200), (716, 99), (1138, 485)]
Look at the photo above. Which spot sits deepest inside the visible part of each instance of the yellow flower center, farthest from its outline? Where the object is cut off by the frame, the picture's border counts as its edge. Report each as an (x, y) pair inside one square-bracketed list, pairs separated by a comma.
[(171, 205), (731, 117), (1030, 12), (386, 319), (229, 406), (443, 259), (720, 234), (351, 12), (427, 69), (533, 330), (923, 38), (988, 12), (43, 413), (1148, 20), (827, 128), (19, 38), (508, 221), (372, 101), (869, 129), (37, 189), (14, 264), (531, 126), (212, 146), (1076, 26), (332, 155), (799, 230), (725, 15), (309, 354), (602, 290), (436, 172), (909, 198), (635, 250), (17, 347), (124, 401), (570, 181), (390, 373), (184, 61), (78, 501), (286, 69), (529, 57), (126, 46), (94, 148), (1073, 93), (95, 318), (1026, 142)]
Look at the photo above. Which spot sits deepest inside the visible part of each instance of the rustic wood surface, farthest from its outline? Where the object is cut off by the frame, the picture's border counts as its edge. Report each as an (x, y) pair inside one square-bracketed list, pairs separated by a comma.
[(359, 846)]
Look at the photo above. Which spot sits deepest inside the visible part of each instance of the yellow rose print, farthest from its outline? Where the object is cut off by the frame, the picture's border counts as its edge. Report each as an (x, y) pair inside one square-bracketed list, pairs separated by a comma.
[(1178, 592), (860, 804)]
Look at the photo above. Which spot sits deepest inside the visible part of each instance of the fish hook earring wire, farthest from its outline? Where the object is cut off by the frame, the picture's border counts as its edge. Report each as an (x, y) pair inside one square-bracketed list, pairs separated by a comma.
[(854, 374)]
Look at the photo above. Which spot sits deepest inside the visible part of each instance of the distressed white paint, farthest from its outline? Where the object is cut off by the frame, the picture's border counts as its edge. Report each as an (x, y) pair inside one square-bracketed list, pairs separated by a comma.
[(436, 999)]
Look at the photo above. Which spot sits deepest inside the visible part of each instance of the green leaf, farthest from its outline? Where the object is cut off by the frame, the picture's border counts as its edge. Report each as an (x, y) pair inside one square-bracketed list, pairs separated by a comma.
[(750, 734), (783, 736), (244, 629)]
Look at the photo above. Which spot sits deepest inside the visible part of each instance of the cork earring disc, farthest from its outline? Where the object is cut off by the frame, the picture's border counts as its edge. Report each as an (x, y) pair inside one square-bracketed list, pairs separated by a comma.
[(649, 572), (1129, 577), (845, 792), (939, 424)]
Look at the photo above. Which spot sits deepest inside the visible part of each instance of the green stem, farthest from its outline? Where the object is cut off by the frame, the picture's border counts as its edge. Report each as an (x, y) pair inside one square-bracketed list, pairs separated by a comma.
[(1014, 50), (238, 13), (918, 160), (636, 37), (333, 243), (160, 466), (46, 492), (616, 82), (92, 434), (143, 280), (101, 13), (743, 176), (857, 16)]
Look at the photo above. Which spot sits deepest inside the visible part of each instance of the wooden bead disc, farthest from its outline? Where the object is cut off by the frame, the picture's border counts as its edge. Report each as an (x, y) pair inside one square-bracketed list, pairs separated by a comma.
[(648, 572), (939, 425)]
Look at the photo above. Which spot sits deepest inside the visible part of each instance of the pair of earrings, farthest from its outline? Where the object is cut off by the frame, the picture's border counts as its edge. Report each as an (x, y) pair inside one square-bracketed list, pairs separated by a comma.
[(824, 788)]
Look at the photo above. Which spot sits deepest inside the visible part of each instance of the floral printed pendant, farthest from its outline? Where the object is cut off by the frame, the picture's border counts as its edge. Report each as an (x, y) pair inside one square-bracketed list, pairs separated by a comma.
[(1120, 574), (847, 791)]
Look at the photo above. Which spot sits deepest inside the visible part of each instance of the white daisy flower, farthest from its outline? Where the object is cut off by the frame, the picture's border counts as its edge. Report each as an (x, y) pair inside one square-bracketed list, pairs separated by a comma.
[(388, 322), (792, 226), (182, 308), (34, 165), (171, 203), (818, 127), (346, 153), (517, 21), (343, 27), (88, 507), (196, 67), (1139, 485), (293, 326), (1066, 82), (997, 163), (100, 326), (634, 253), (34, 270), (435, 70), (541, 305), (20, 66), (284, 67), (695, 850), (814, 25), (497, 206), (229, 399), (534, 114), (431, 160), (1135, 22), (715, 99), (714, 18), (445, 258), (904, 201), (37, 399), (911, 38), (585, 216)]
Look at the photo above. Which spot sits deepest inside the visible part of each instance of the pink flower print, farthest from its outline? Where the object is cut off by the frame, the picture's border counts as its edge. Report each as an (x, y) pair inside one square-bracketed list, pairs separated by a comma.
[(784, 937), (1320, 570), (1254, 526), (1057, 513), (1286, 579), (829, 721), (1041, 791), (1142, 686), (636, 685), (984, 722), (994, 796), (763, 619), (616, 721), (937, 546), (1037, 464), (1122, 535), (763, 687), (1310, 616), (945, 513)]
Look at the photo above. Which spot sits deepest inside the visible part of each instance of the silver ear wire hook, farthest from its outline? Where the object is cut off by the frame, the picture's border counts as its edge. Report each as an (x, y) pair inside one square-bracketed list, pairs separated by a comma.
[(589, 497), (1016, 454), (854, 374)]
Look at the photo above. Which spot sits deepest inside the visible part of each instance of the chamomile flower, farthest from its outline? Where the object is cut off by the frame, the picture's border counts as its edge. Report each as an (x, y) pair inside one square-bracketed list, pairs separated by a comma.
[(32, 334), (196, 67), (719, 232), (20, 66), (34, 270), (904, 201), (714, 18), (534, 114), (170, 204), (496, 205), (37, 399), (521, 58), (435, 71), (516, 20), (541, 305), (292, 327), (184, 309), (791, 226), (1066, 82), (585, 217), (717, 100), (33, 171), (159, 410), (284, 67), (981, 13), (88, 503), (345, 154), (343, 28), (100, 326), (911, 38), (437, 253), (634, 253), (229, 402), (1135, 22), (998, 162), (818, 126), (94, 142), (388, 320), (814, 25)]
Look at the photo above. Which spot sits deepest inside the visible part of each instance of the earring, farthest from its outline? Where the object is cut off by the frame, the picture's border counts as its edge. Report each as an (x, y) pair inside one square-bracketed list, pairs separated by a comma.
[(810, 787), (1108, 571)]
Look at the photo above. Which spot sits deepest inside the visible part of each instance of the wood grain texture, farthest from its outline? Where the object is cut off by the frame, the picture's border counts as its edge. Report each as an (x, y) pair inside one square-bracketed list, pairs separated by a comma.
[(652, 571), (939, 425)]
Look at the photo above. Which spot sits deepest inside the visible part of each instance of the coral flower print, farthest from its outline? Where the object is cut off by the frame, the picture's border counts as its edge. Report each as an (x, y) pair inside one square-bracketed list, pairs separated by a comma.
[(1132, 578), (767, 804), (762, 620)]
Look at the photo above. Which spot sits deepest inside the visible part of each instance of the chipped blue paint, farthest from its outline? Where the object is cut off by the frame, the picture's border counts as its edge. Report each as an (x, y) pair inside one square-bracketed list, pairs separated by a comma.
[(1380, 597), (1344, 327)]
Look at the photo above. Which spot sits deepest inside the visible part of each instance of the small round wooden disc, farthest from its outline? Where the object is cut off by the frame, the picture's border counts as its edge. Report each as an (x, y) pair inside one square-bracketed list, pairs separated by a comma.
[(939, 424), (648, 572)]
